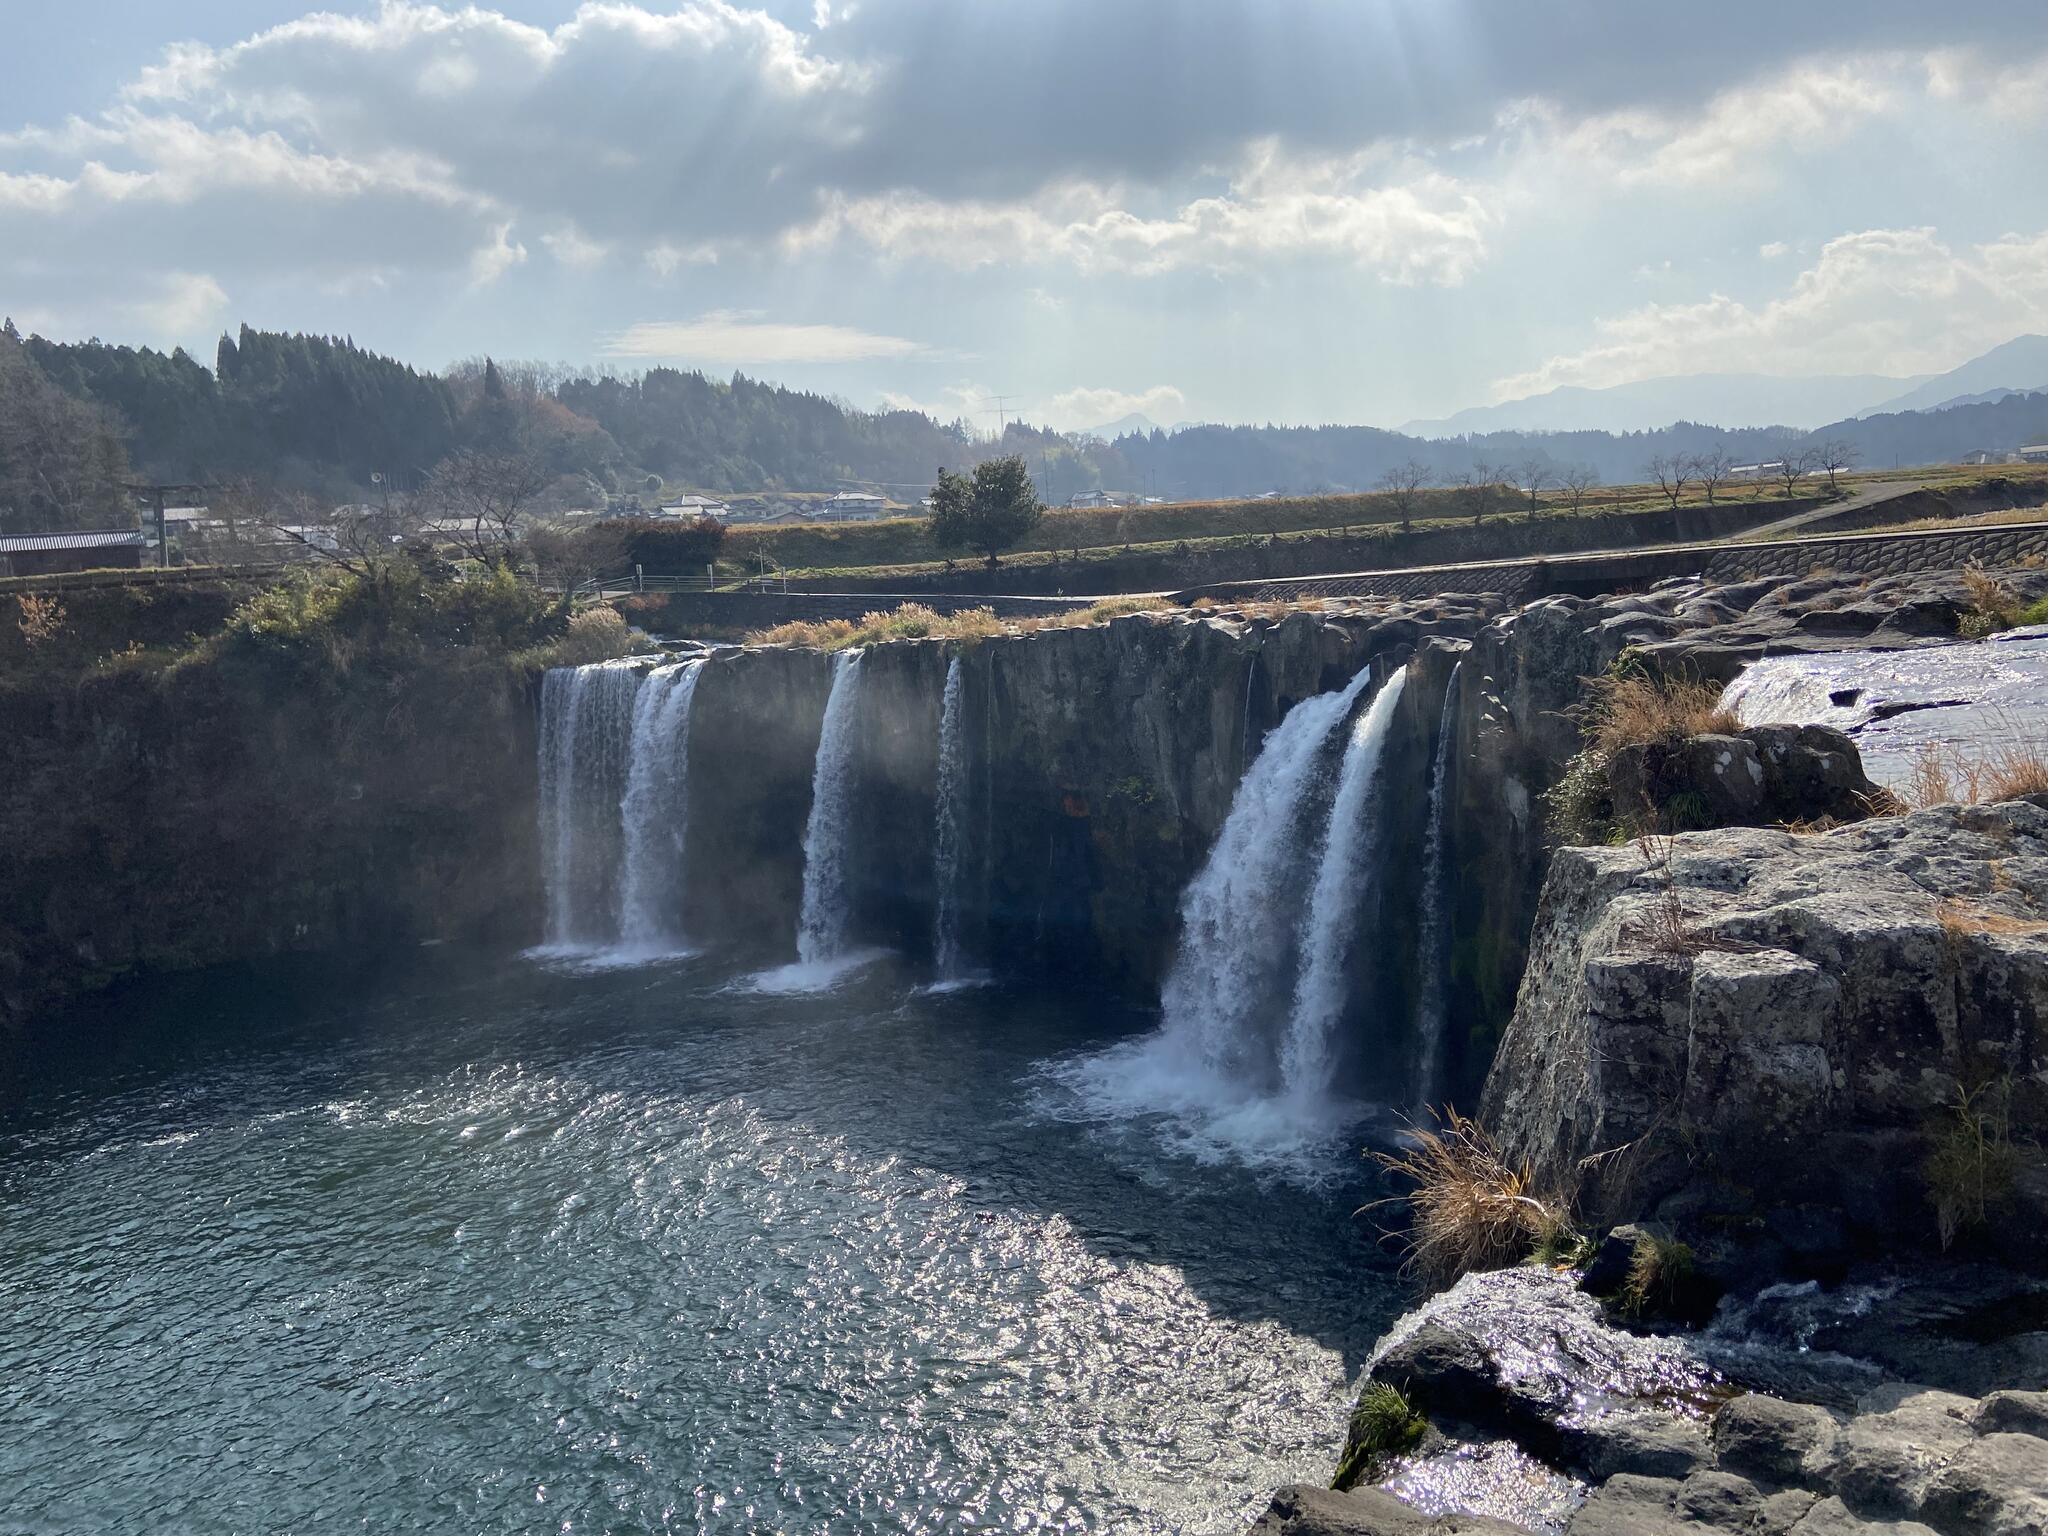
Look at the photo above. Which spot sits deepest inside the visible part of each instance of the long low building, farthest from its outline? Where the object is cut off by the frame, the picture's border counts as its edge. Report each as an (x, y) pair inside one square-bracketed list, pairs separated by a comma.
[(45, 554)]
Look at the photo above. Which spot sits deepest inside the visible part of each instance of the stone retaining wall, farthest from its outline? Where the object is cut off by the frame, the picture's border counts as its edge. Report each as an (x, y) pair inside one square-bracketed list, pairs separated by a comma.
[(1519, 581)]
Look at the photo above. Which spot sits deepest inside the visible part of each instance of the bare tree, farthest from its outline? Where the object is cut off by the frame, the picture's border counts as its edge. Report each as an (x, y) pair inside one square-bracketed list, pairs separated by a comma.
[(1537, 472), (1402, 483), (479, 497), (1478, 485), (264, 521), (1834, 455), (1672, 473), (1576, 480), (1794, 467), (1711, 469)]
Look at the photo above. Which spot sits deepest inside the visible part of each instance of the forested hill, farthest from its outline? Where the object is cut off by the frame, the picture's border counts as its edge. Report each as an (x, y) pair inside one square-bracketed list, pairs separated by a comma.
[(326, 415)]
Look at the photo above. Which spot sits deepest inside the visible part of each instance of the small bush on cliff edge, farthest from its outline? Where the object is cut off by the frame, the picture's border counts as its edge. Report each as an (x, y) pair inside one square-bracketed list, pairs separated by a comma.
[(1383, 1424), (1471, 1209), (1634, 709)]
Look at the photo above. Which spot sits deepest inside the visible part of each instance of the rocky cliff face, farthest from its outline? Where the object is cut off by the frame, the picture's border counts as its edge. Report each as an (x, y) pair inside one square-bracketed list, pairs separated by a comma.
[(1782, 1032), (1100, 763)]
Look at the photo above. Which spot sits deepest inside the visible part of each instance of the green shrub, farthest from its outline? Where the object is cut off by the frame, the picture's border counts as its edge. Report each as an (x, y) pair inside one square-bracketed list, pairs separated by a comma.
[(1384, 1424), (1972, 1165), (1579, 807), (1660, 1274)]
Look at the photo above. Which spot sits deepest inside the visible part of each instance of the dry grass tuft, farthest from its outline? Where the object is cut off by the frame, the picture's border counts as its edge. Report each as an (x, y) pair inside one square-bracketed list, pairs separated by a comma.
[(1471, 1208), (1635, 709), (1962, 919), (1943, 776), (917, 621)]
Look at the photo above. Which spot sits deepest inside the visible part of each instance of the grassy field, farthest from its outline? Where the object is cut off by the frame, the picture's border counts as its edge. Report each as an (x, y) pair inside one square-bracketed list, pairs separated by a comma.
[(902, 546)]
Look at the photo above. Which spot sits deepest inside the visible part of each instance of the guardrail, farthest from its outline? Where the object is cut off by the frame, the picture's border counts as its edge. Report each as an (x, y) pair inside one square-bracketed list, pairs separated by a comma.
[(603, 588)]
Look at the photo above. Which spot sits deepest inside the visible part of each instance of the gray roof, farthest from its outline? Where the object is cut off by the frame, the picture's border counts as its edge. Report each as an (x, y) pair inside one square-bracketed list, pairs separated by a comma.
[(27, 543)]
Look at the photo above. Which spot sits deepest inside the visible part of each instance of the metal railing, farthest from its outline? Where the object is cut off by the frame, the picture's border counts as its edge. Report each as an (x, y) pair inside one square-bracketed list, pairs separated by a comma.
[(603, 588)]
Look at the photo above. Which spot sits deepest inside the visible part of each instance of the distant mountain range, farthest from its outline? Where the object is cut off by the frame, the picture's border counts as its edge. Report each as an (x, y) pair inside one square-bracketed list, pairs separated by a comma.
[(2015, 366), (1736, 400)]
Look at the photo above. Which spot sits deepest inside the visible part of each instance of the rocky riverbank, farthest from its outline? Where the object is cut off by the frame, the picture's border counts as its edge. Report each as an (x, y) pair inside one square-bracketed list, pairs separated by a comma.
[(1802, 1079)]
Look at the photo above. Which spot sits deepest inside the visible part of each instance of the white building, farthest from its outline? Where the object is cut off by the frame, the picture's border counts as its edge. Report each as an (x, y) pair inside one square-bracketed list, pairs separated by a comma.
[(854, 507), (2034, 453), (694, 507)]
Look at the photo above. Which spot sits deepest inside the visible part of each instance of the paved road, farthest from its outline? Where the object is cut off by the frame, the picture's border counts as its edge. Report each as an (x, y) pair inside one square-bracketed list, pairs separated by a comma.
[(1862, 500)]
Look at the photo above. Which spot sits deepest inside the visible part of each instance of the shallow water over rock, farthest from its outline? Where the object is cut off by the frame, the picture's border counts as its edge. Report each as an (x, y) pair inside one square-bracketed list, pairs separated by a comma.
[(1894, 704)]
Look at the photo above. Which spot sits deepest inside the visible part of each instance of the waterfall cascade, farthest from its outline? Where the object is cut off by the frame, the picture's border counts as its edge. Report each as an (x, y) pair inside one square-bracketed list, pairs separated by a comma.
[(614, 765), (949, 832), (654, 811), (1432, 937), (825, 920), (1240, 914), (1346, 890)]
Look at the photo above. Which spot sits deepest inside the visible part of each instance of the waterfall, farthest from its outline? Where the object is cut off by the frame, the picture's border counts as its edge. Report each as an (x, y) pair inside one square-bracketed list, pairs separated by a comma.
[(654, 811), (1242, 1062), (1432, 947), (823, 923), (1346, 884), (948, 831), (614, 765), (1239, 913), (585, 742)]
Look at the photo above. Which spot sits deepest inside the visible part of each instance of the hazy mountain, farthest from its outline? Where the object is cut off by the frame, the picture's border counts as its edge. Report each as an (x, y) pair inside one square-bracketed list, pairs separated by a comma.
[(1123, 426), (1721, 399), (2019, 364)]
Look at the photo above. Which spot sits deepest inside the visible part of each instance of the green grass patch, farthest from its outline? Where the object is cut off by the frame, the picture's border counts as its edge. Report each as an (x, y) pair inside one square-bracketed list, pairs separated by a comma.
[(1383, 1425)]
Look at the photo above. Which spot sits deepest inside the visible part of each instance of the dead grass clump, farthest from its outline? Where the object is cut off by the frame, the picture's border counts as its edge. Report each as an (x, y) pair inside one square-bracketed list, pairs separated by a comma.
[(1635, 710), (1942, 775), (1471, 1209), (594, 634), (1962, 919), (1097, 613), (1993, 605), (824, 635)]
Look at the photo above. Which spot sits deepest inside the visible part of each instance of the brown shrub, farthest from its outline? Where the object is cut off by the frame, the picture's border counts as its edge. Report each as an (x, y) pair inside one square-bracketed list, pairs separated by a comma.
[(1634, 709), (1471, 1208)]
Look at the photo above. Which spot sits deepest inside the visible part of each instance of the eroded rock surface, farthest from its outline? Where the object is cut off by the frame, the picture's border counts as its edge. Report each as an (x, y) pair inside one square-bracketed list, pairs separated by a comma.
[(1756, 1026)]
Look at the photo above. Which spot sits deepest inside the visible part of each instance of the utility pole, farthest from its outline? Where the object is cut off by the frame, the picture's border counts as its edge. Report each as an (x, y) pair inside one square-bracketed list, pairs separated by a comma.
[(154, 495), (1002, 405)]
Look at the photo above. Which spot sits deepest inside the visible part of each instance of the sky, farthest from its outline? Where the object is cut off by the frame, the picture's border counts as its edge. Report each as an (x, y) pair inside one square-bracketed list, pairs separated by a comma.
[(1276, 210)]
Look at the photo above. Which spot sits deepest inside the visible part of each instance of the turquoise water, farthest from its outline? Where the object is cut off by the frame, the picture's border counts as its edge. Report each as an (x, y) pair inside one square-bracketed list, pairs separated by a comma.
[(635, 1251)]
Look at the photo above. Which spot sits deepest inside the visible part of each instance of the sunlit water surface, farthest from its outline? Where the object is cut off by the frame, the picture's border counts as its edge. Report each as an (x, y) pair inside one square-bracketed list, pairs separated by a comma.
[(638, 1250)]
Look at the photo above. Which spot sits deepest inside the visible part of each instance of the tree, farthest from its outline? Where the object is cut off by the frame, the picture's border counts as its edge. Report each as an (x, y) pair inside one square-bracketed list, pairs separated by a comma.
[(987, 513), (669, 546), (1794, 467), (1834, 455), (1672, 473), (483, 496), (1402, 483), (1537, 472), (61, 461), (1711, 468), (1576, 480)]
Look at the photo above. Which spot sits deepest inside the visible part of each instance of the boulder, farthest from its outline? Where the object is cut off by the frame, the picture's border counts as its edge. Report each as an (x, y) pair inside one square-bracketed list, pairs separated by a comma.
[(1774, 1442), (1302, 1510)]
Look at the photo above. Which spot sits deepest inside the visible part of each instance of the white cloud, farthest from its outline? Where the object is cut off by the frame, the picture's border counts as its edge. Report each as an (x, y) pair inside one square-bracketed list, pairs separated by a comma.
[(1428, 229), (572, 248), (743, 338), (185, 304), (1771, 250), (1896, 301), (495, 257), (1081, 408), (1738, 138), (664, 258)]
